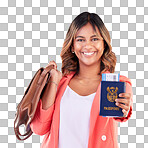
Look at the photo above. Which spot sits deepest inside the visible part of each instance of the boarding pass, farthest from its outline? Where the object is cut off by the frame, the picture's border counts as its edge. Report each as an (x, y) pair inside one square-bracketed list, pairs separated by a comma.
[(110, 76)]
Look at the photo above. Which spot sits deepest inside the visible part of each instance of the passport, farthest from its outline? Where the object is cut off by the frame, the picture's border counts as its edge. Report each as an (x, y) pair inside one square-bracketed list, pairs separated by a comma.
[(110, 91)]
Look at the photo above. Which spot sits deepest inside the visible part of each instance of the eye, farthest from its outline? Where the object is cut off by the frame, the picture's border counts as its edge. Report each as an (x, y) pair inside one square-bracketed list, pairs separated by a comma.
[(80, 40), (95, 39)]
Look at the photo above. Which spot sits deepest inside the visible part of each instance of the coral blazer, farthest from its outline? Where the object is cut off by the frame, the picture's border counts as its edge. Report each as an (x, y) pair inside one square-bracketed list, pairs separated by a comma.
[(103, 131)]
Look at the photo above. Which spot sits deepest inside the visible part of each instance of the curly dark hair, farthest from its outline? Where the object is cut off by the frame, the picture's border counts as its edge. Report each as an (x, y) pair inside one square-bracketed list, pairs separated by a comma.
[(70, 61)]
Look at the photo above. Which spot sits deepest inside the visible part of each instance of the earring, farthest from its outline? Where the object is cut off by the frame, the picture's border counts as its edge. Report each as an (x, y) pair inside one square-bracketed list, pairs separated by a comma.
[(73, 51)]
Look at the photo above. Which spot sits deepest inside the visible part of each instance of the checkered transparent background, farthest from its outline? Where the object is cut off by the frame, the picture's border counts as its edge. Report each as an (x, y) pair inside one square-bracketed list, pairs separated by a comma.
[(32, 34)]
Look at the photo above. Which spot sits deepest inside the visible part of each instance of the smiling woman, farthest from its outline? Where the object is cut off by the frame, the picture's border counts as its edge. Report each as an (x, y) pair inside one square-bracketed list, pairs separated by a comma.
[(73, 120), (88, 33)]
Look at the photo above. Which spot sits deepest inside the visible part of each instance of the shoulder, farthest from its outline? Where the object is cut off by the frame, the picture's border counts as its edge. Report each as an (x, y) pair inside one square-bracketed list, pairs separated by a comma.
[(65, 78)]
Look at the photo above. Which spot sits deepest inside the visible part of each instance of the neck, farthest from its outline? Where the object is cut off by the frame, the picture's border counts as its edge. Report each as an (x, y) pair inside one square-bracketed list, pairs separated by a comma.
[(89, 72)]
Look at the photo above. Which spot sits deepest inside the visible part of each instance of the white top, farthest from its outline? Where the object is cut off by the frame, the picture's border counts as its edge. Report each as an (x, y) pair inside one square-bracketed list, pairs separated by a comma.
[(74, 119)]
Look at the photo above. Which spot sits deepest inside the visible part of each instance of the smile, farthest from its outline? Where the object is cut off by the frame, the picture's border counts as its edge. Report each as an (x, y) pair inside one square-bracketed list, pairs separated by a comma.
[(88, 54)]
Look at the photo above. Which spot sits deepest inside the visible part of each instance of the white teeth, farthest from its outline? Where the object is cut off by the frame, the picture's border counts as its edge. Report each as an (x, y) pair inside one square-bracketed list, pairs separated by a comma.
[(88, 53)]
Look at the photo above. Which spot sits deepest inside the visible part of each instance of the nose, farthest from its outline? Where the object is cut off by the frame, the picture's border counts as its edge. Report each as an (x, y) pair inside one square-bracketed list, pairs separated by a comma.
[(88, 44)]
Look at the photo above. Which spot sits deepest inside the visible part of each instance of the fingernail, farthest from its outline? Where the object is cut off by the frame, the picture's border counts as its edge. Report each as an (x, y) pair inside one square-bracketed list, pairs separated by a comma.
[(120, 95), (117, 103)]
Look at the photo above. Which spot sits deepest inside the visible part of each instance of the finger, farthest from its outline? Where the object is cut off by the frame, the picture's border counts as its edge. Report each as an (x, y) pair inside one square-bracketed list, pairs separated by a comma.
[(123, 106), (52, 63), (125, 101), (126, 95), (55, 65), (124, 112)]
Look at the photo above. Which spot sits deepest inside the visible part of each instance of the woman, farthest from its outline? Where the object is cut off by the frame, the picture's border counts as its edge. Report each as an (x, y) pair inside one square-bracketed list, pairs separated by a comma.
[(68, 115)]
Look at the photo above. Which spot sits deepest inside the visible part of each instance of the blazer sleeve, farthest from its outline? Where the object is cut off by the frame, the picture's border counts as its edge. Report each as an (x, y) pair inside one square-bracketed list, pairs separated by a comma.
[(128, 90), (41, 123)]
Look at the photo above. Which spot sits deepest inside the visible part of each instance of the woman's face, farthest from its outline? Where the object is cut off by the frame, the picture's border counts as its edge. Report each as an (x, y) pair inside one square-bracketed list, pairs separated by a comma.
[(87, 46)]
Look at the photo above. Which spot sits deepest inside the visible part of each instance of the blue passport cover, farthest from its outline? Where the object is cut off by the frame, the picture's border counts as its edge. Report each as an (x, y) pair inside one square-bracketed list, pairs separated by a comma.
[(110, 90)]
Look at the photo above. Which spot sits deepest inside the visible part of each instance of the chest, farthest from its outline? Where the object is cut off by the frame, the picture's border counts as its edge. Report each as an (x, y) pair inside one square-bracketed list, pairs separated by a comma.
[(83, 89)]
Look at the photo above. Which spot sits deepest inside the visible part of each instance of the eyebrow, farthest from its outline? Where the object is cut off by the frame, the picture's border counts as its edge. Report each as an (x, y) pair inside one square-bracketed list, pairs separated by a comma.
[(84, 37)]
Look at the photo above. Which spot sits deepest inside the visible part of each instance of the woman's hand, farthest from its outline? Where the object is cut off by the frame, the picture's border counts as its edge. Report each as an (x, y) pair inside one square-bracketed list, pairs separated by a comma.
[(126, 100), (49, 95), (55, 74)]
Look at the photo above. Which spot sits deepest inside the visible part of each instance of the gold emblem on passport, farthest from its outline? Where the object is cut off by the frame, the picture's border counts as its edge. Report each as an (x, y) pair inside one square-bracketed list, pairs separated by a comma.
[(112, 93)]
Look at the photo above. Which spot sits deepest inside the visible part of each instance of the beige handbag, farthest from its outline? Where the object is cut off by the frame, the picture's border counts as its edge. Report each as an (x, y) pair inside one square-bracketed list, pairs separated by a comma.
[(27, 107)]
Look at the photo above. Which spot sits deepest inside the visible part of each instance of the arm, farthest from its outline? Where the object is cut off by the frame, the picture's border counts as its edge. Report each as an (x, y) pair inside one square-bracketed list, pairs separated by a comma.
[(41, 122)]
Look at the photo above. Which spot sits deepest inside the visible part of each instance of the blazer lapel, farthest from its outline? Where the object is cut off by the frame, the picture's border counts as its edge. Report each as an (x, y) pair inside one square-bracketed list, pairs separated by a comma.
[(94, 114), (61, 88)]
